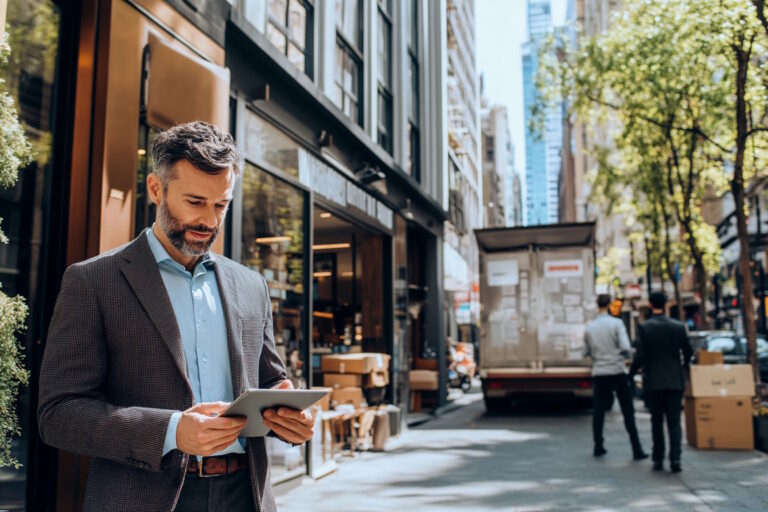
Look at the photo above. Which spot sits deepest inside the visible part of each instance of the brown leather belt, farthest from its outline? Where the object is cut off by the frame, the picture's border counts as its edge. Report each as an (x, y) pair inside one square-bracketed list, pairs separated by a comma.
[(216, 466)]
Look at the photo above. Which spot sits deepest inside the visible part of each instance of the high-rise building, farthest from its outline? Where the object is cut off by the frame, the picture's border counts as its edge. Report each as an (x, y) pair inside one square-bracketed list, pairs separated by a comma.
[(497, 164), (543, 151), (465, 178)]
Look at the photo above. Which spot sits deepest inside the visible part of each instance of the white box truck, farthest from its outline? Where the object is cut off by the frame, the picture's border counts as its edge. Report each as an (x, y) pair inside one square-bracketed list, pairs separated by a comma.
[(537, 292)]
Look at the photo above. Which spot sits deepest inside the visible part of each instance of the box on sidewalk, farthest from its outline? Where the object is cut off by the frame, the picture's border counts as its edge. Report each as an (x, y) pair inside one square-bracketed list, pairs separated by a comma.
[(377, 379), (423, 380), (343, 380), (704, 357), (352, 395), (721, 380), (719, 423), (360, 363)]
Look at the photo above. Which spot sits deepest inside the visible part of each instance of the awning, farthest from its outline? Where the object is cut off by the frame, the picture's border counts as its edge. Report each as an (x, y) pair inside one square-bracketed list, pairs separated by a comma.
[(580, 234)]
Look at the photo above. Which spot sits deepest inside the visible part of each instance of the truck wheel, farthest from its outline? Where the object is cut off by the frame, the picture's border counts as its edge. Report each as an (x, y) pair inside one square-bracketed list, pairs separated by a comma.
[(494, 405)]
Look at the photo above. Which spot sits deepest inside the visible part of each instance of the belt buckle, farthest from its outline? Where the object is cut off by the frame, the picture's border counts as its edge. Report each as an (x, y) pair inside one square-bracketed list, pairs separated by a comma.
[(200, 469)]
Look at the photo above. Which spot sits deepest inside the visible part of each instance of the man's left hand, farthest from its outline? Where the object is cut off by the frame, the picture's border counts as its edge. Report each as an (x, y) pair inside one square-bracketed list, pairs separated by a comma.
[(290, 425)]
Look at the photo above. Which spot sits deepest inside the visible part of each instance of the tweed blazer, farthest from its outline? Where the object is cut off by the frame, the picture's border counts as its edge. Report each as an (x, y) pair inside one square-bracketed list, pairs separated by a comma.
[(113, 372), (663, 352)]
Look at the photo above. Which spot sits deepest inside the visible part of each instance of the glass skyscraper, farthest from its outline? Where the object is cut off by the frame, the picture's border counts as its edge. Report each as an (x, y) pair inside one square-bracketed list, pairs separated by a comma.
[(542, 151)]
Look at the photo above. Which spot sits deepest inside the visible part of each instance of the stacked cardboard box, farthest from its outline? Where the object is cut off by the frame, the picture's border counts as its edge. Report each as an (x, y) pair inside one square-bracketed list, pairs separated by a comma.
[(365, 369), (354, 396), (423, 380), (718, 407)]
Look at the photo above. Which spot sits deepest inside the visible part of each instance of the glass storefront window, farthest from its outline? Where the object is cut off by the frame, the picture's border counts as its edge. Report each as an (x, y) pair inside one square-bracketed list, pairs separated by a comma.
[(29, 78), (265, 143), (273, 243), (145, 209)]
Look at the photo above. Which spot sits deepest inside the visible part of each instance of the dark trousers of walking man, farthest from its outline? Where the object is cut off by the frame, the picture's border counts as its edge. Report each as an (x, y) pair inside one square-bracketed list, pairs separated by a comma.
[(604, 387), (666, 404)]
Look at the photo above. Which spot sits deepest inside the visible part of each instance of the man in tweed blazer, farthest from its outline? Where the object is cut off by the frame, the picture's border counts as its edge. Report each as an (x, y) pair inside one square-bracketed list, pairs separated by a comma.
[(150, 341)]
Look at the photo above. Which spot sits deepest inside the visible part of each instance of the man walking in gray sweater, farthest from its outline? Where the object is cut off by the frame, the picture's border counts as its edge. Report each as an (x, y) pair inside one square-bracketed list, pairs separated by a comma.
[(607, 343)]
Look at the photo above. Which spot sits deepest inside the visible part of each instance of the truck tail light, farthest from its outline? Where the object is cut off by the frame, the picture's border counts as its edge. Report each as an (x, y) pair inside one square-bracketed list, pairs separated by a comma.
[(495, 384)]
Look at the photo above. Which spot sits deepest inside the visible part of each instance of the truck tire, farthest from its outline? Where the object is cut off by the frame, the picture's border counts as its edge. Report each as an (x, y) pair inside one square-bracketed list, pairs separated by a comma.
[(494, 405)]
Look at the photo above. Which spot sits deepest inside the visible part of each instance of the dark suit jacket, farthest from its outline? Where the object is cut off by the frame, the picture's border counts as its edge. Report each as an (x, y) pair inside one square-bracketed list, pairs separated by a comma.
[(113, 372), (663, 352)]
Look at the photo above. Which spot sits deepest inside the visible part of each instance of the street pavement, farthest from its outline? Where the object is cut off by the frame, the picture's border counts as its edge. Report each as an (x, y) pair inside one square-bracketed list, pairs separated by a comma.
[(533, 460)]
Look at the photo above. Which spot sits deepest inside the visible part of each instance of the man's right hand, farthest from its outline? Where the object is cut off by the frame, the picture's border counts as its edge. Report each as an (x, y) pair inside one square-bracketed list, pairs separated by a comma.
[(202, 432)]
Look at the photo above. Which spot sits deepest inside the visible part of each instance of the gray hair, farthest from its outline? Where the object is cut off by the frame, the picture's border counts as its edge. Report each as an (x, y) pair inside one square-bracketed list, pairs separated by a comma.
[(202, 144)]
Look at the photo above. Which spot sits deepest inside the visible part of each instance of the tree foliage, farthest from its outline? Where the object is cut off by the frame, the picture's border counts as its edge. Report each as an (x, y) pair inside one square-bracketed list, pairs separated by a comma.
[(682, 86), (15, 152)]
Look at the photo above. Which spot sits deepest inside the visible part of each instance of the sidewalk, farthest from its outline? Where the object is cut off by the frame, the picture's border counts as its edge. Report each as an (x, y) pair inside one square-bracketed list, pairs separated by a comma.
[(468, 461)]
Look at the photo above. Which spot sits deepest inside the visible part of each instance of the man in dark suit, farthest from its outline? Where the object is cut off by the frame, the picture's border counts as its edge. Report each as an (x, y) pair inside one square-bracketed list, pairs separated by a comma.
[(664, 353), (149, 342)]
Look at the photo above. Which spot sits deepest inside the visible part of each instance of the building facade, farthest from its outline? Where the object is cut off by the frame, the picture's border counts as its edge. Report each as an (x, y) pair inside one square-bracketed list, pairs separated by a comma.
[(343, 195), (464, 168), (498, 167)]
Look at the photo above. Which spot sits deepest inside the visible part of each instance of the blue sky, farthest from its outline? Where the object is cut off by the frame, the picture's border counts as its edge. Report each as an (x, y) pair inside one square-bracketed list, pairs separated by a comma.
[(501, 29)]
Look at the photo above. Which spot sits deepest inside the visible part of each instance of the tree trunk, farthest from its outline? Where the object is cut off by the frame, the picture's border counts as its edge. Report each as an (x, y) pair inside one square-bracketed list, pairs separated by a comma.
[(737, 188), (702, 284), (668, 262)]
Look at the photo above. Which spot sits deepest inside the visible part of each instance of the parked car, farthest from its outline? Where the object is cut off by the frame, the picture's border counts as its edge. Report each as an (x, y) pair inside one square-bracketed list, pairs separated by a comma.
[(734, 349), (699, 339)]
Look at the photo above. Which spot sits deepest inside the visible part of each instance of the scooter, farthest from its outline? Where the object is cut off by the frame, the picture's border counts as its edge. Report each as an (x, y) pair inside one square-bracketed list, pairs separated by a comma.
[(461, 368)]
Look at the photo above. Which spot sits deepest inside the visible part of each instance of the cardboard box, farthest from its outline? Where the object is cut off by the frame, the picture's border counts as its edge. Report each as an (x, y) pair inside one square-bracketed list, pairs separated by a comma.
[(721, 380), (719, 423), (352, 396), (342, 380), (325, 402), (703, 357), (423, 380), (362, 363), (425, 364), (377, 379)]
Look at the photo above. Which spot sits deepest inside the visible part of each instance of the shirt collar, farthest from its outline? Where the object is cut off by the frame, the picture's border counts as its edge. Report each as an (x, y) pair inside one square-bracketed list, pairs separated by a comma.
[(161, 255)]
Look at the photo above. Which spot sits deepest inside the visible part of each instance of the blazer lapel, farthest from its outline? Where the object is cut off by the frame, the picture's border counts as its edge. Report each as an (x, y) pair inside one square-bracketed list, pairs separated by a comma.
[(227, 286), (140, 269)]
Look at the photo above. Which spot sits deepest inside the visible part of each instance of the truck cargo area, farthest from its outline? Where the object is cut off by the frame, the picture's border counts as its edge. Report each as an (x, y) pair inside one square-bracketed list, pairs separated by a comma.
[(536, 296)]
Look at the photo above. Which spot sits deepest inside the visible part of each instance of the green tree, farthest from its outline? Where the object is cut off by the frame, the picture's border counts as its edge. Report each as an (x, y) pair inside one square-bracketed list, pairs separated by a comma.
[(15, 152), (689, 76)]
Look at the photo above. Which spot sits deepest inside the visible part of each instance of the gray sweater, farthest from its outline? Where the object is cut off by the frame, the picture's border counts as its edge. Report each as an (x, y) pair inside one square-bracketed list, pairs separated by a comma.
[(607, 343)]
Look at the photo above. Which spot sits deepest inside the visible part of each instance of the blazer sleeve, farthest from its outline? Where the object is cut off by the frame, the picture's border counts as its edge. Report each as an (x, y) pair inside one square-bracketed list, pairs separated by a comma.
[(73, 413), (271, 367)]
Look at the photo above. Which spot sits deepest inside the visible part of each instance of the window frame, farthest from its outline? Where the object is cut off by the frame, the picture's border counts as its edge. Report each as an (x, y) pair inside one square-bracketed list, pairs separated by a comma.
[(385, 120), (284, 29), (414, 94), (353, 51)]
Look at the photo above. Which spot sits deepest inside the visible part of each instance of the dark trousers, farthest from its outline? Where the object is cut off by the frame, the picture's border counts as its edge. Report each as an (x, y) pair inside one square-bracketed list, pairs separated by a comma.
[(230, 493), (666, 403), (604, 388)]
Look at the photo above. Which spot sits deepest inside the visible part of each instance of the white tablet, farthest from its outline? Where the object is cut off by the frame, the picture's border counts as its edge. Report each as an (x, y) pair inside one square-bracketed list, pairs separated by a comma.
[(251, 404)]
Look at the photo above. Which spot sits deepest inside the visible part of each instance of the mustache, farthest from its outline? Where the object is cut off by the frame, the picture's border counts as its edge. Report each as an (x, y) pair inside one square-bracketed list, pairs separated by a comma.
[(199, 228)]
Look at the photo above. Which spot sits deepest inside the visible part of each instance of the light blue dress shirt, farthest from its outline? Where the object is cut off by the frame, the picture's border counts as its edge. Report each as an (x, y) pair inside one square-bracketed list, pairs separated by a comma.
[(203, 327)]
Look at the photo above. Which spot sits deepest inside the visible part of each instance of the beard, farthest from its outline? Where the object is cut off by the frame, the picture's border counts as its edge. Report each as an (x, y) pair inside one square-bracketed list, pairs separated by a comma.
[(176, 231)]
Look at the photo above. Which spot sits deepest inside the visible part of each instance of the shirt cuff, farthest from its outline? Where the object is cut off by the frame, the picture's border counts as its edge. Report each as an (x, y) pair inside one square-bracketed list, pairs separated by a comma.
[(170, 434)]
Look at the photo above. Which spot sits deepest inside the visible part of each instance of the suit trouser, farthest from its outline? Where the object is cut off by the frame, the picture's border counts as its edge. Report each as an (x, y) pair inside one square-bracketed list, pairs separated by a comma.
[(230, 493), (666, 403), (604, 387)]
